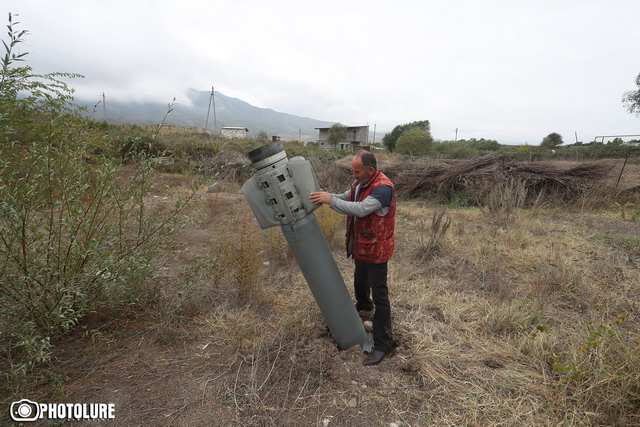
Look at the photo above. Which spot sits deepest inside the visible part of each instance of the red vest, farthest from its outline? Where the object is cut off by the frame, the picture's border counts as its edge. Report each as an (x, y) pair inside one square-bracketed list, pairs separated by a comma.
[(373, 238)]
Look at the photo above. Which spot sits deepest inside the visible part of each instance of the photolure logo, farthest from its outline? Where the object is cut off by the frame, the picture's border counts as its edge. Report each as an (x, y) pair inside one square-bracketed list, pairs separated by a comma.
[(27, 410)]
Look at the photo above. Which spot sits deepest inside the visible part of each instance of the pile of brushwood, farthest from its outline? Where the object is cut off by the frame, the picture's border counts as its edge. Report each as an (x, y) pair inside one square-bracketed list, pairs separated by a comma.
[(477, 178), (473, 181)]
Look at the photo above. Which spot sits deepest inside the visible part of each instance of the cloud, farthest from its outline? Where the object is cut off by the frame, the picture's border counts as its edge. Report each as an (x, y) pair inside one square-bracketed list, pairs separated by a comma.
[(511, 71)]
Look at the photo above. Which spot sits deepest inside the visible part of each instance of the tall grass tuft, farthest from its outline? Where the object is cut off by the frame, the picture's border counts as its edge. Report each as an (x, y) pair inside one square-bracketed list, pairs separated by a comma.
[(504, 201), (243, 257), (431, 241)]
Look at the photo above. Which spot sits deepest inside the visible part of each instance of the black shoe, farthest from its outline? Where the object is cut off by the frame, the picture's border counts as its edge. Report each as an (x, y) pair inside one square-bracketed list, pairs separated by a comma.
[(374, 358), (364, 308)]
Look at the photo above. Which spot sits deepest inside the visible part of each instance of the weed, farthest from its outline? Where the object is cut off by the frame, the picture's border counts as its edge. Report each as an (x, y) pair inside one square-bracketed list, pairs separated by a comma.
[(433, 245), (605, 371), (633, 213), (532, 325), (275, 246), (243, 259), (459, 199), (197, 287), (504, 201), (212, 209)]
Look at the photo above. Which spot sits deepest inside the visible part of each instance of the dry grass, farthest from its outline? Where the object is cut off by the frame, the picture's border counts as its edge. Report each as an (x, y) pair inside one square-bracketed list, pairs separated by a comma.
[(522, 301), (514, 320)]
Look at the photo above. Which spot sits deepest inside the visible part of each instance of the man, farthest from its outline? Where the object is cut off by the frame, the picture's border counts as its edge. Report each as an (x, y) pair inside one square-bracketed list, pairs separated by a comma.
[(370, 206)]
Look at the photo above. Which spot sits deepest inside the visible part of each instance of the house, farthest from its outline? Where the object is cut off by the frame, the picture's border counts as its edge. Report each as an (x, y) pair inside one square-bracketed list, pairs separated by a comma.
[(357, 137), (234, 132)]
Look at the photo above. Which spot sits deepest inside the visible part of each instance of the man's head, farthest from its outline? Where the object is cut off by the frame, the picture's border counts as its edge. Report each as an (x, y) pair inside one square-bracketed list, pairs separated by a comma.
[(363, 166)]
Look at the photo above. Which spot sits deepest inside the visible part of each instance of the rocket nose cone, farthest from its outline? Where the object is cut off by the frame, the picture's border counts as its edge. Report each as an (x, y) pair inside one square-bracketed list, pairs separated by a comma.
[(265, 151)]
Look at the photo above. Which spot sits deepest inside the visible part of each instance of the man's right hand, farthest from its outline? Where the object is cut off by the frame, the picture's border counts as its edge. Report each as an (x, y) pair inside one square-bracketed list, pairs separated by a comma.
[(320, 197)]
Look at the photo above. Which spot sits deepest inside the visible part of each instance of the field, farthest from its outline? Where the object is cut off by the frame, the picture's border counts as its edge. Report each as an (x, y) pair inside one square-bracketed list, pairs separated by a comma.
[(124, 280), (512, 317)]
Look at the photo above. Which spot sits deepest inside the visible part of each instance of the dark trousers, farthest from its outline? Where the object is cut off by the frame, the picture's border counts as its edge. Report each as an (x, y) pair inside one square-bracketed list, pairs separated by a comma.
[(371, 279)]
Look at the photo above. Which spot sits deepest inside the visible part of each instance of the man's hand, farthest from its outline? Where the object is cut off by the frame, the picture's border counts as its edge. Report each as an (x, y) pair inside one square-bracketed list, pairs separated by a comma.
[(320, 197)]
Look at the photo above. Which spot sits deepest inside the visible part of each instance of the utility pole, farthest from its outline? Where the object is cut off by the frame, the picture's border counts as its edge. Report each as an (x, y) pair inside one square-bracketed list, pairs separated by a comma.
[(211, 101), (374, 133), (299, 134), (456, 135), (215, 120), (104, 108)]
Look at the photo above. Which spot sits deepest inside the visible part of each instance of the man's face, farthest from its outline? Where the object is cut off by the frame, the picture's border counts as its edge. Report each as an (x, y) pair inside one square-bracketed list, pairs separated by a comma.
[(360, 172)]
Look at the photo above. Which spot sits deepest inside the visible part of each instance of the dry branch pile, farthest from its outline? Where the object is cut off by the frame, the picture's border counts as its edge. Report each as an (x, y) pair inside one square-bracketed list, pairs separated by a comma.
[(478, 177)]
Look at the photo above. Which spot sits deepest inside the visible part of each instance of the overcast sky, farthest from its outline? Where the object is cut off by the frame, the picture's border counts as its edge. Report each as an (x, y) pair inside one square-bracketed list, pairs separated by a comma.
[(510, 70)]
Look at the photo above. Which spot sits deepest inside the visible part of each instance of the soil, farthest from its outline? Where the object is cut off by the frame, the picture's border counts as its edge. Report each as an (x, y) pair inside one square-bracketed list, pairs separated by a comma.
[(190, 383)]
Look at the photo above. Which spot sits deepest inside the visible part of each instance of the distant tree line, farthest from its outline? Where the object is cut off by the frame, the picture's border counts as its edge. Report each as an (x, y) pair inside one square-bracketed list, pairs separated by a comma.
[(414, 139)]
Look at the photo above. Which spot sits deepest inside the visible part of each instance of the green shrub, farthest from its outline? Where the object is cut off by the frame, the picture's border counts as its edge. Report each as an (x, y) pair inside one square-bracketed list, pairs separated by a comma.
[(75, 236), (414, 142), (144, 144), (455, 150)]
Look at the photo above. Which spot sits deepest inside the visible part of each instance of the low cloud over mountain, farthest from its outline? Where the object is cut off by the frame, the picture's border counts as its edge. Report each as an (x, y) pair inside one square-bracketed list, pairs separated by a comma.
[(229, 112)]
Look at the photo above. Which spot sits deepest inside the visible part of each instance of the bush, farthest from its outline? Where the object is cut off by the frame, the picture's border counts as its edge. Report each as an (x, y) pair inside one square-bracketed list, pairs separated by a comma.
[(414, 142), (455, 150), (390, 139), (144, 144), (75, 237)]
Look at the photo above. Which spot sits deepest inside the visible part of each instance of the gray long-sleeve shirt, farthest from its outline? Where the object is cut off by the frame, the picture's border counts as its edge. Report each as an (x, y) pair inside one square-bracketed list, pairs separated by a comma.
[(378, 201)]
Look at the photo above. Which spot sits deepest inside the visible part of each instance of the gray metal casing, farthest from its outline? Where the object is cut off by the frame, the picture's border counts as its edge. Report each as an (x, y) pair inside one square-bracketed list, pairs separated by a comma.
[(325, 281), (278, 194)]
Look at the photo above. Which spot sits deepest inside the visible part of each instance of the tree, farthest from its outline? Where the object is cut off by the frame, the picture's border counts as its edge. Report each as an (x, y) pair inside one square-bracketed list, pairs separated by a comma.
[(390, 139), (552, 140), (337, 133), (631, 99), (415, 142)]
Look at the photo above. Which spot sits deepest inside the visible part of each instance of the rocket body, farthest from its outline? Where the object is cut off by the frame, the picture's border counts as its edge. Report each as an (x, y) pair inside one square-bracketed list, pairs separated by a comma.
[(278, 194)]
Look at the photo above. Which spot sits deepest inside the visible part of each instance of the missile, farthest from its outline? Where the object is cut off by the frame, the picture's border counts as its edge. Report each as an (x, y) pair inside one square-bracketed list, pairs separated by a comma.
[(278, 194)]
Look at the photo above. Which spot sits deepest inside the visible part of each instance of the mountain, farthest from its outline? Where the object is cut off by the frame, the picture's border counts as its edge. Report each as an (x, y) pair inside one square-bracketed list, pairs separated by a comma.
[(229, 112)]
